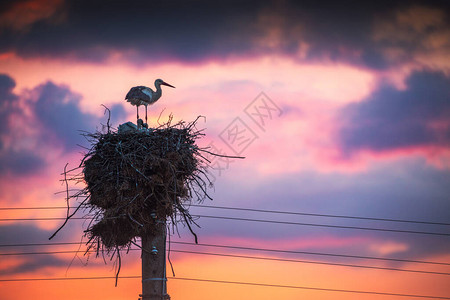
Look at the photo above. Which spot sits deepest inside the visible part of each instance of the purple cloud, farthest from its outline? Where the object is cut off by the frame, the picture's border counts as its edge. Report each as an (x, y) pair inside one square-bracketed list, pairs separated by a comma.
[(29, 234), (8, 100), (12, 159), (395, 119), (55, 110), (58, 109)]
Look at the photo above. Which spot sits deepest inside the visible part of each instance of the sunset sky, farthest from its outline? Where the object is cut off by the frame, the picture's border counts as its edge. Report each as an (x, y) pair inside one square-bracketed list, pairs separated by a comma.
[(345, 108)]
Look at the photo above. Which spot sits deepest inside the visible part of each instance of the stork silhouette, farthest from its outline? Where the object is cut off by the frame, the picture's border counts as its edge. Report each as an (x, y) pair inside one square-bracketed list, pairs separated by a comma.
[(142, 95)]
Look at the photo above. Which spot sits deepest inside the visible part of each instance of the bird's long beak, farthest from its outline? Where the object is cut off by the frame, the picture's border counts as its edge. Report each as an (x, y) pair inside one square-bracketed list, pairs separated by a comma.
[(165, 83)]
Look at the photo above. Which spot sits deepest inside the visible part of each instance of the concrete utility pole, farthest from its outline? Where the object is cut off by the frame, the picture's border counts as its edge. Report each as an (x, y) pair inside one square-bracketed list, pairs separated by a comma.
[(154, 279)]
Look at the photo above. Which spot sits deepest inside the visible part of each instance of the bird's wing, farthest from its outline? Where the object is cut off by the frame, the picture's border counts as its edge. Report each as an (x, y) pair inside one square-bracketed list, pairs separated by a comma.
[(148, 92), (135, 95)]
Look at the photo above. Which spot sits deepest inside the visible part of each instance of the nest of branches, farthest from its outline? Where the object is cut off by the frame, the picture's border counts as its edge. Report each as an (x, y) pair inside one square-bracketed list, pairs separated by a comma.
[(137, 178)]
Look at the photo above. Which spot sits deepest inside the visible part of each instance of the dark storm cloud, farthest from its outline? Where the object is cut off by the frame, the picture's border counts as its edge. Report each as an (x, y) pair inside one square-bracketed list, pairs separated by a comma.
[(199, 30), (7, 100), (34, 263), (155, 30), (58, 110), (17, 161), (6, 86), (55, 110), (26, 234), (350, 31), (395, 119), (16, 234)]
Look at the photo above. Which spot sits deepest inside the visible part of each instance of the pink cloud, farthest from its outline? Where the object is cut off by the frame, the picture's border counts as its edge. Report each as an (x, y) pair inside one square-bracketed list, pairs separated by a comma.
[(21, 15), (310, 95)]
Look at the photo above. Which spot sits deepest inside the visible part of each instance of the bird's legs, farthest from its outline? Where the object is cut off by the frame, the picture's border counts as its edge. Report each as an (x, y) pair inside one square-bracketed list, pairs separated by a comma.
[(146, 114)]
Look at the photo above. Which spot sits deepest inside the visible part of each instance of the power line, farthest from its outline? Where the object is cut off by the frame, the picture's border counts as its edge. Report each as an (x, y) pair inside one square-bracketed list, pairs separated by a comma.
[(67, 278), (48, 252), (36, 208), (320, 215), (257, 249), (40, 244), (262, 211), (315, 253), (245, 257), (323, 225), (258, 220), (311, 262), (42, 219), (310, 288), (235, 282)]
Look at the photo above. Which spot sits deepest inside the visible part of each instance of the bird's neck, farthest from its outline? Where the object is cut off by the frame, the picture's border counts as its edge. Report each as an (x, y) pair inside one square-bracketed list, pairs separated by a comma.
[(158, 90)]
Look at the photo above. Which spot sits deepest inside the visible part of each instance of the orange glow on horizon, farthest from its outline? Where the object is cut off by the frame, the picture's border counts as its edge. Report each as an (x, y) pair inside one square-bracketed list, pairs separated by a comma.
[(232, 269)]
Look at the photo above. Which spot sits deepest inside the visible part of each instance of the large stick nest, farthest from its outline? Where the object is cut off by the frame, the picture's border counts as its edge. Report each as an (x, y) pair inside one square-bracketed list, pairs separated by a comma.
[(137, 178)]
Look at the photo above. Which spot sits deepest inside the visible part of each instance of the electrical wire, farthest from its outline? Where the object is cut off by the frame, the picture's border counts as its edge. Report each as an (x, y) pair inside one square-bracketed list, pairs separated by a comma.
[(234, 282), (311, 262), (319, 254), (257, 249), (39, 244), (320, 215), (323, 225), (245, 257), (257, 220), (36, 208), (263, 211), (67, 278), (311, 288), (42, 219)]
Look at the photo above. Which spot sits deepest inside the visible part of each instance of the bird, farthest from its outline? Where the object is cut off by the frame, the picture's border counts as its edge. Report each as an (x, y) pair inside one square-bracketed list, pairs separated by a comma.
[(142, 95)]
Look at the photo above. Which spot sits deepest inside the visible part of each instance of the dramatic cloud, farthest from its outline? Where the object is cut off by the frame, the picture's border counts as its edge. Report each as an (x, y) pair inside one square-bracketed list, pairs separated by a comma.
[(138, 33), (18, 233), (19, 162), (7, 84), (364, 93), (58, 109), (35, 263), (398, 119), (13, 157), (141, 30), (20, 15), (7, 100), (39, 122), (418, 34)]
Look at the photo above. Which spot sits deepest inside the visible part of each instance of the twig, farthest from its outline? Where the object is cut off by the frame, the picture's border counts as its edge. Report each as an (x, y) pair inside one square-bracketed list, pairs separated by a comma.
[(67, 201), (190, 228), (109, 117), (168, 253), (132, 219), (120, 264), (160, 114), (215, 154)]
